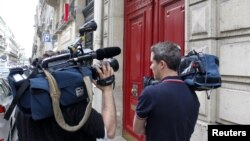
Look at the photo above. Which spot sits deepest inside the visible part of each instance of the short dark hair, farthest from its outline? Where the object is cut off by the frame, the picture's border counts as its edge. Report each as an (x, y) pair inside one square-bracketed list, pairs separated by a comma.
[(168, 52)]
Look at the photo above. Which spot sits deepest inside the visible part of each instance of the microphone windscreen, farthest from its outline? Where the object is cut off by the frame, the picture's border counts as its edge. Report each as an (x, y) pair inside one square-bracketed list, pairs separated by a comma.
[(100, 54), (110, 52)]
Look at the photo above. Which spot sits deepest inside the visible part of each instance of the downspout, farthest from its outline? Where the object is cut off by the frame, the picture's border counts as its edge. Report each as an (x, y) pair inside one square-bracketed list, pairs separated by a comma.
[(97, 43)]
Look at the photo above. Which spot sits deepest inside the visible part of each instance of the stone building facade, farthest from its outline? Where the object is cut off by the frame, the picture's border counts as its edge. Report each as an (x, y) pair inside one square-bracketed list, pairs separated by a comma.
[(9, 49), (219, 27)]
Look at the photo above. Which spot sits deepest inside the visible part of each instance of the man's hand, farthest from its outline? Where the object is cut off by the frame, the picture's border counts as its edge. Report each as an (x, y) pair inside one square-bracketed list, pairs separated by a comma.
[(104, 71)]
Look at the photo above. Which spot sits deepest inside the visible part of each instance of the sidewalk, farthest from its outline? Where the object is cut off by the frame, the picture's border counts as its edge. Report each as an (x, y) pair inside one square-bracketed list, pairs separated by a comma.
[(118, 138)]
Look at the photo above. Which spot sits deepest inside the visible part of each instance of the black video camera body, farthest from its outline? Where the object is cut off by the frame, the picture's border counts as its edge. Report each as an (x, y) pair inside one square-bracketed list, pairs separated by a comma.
[(147, 80), (61, 61)]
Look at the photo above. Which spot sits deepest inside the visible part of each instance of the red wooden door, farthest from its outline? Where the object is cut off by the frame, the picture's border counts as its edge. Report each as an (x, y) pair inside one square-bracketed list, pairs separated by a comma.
[(144, 24), (138, 39), (171, 21)]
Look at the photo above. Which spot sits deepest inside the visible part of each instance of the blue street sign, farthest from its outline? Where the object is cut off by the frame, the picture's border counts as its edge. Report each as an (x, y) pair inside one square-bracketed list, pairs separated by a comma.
[(46, 37)]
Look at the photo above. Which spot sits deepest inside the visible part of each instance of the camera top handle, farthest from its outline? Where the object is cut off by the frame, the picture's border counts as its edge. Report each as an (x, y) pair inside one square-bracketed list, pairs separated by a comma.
[(77, 47)]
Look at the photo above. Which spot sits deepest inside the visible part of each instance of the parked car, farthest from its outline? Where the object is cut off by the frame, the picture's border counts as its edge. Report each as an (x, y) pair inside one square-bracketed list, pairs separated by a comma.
[(7, 127)]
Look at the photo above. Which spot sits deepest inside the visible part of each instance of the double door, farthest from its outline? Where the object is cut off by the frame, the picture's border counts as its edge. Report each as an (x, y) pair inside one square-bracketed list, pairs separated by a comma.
[(146, 22)]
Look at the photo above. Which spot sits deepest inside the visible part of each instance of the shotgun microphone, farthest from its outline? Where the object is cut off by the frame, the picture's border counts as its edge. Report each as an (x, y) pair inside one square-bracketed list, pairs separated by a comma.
[(99, 54)]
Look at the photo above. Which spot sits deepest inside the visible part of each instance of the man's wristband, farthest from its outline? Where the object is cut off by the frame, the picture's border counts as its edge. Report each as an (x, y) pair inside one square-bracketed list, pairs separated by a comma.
[(107, 81)]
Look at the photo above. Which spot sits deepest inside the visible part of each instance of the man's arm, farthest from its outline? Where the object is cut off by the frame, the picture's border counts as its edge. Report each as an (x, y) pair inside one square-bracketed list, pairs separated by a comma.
[(109, 113), (142, 112), (109, 109), (139, 125)]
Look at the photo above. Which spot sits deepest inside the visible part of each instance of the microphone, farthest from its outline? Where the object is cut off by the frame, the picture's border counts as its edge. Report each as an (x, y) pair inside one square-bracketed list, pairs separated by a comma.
[(110, 52), (99, 54)]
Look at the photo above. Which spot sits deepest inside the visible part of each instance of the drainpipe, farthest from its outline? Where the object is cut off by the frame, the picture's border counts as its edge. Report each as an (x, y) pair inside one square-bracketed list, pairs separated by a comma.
[(97, 43)]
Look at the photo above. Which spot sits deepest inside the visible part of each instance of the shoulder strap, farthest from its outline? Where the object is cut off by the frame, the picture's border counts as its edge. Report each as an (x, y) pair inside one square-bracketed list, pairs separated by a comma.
[(55, 95), (173, 80), (19, 93)]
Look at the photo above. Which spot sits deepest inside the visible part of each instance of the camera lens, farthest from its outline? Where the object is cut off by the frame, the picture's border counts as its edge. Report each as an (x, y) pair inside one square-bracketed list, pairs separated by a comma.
[(147, 80), (113, 63)]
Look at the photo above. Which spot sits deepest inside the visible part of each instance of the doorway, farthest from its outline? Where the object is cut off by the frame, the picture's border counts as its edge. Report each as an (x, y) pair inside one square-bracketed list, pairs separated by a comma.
[(146, 22)]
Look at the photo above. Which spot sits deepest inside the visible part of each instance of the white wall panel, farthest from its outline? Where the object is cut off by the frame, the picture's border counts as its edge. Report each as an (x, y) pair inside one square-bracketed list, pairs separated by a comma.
[(234, 58), (234, 106)]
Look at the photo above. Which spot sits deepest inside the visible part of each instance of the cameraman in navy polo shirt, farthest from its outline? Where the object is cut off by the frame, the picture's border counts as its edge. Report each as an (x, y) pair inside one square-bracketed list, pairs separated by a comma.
[(166, 111)]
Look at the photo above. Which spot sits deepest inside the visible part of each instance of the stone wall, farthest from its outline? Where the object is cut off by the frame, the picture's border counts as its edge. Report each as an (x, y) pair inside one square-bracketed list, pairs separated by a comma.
[(222, 28)]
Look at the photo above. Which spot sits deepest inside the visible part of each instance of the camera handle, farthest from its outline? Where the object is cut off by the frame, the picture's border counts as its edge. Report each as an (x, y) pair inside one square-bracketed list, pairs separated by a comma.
[(107, 81), (76, 49), (80, 41)]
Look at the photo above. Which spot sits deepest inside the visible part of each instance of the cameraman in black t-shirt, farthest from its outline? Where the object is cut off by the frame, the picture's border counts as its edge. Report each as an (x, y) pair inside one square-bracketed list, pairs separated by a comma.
[(99, 125)]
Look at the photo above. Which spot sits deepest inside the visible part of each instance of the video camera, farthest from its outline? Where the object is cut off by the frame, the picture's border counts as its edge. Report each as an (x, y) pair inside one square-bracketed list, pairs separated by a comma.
[(64, 60), (76, 54), (147, 80)]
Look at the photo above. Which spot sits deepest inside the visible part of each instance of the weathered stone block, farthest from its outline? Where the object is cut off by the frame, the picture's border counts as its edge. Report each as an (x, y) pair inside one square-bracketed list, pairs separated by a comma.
[(233, 106), (234, 57), (229, 16)]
